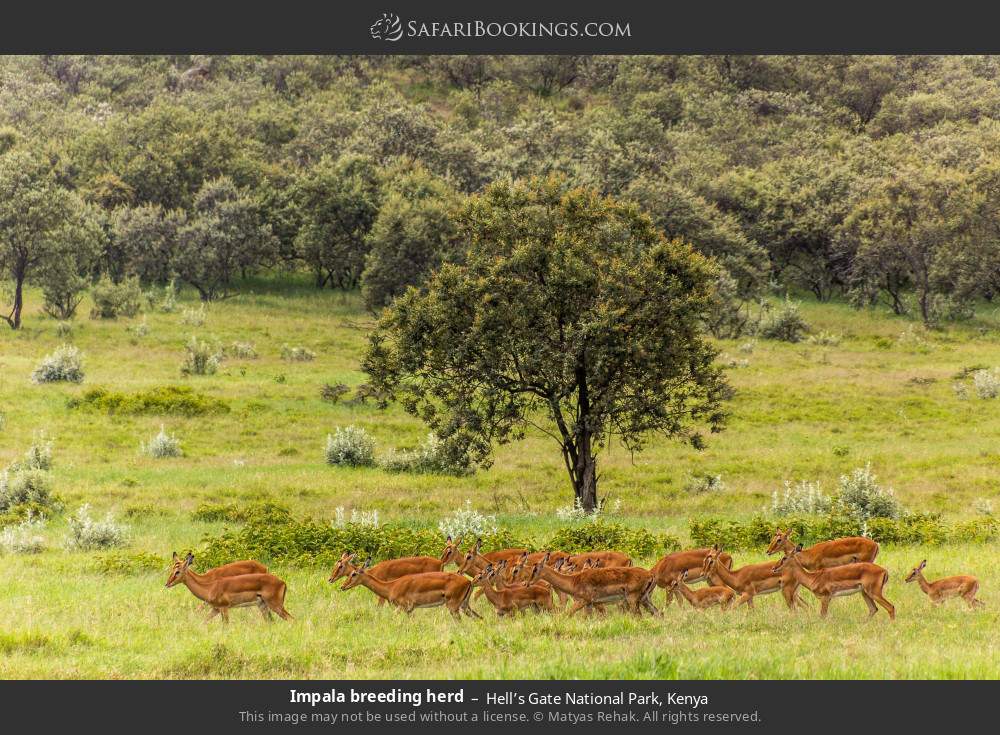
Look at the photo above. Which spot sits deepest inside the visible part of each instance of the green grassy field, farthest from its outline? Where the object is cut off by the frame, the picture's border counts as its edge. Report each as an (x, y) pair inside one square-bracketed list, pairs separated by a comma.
[(883, 395)]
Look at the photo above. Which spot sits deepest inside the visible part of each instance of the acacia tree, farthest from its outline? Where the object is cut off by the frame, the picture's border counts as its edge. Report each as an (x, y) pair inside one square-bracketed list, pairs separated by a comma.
[(34, 215), (569, 312)]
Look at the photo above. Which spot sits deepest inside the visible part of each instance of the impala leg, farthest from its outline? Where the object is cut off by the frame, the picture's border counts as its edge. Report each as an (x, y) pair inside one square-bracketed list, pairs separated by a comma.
[(824, 606), (872, 607), (889, 608), (265, 611), (225, 615), (215, 611), (454, 614), (745, 599), (471, 613), (577, 607)]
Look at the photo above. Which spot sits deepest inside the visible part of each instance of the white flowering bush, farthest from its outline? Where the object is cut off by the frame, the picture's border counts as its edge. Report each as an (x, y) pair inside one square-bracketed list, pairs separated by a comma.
[(367, 518), (825, 339), (297, 354), (243, 350), (194, 317), (38, 456), (139, 329), (986, 383), (432, 456), (162, 446), (88, 534), (983, 506), (860, 496), (24, 537), (803, 498), (63, 365), (351, 446), (576, 512), (168, 303), (201, 358), (467, 521)]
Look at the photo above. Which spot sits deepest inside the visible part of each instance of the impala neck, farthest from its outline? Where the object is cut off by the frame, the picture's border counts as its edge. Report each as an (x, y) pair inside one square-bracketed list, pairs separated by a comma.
[(491, 592), (375, 585), (800, 574), (562, 582), (723, 573), (197, 584), (924, 584), (685, 590)]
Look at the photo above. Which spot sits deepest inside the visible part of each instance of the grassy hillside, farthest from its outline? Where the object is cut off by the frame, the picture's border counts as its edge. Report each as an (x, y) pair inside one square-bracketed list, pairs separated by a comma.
[(883, 394)]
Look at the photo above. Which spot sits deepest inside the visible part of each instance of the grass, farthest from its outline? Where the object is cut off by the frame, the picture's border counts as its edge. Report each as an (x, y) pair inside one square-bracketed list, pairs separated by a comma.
[(884, 394)]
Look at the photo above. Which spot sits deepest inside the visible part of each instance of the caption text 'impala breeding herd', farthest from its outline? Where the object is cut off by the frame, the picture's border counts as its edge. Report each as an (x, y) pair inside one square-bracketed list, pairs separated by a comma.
[(514, 579)]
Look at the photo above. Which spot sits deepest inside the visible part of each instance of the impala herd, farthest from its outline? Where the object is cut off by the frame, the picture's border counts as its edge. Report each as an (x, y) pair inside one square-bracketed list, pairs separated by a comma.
[(513, 580)]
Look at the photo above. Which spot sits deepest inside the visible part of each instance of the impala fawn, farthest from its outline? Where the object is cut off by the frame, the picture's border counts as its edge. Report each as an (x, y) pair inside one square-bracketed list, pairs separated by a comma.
[(389, 570), (670, 567), (704, 597), (510, 600), (428, 589), (862, 577), (962, 585), (265, 591)]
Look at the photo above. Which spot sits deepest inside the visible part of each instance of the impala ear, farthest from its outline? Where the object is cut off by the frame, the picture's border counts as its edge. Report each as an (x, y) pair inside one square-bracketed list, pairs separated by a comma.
[(189, 559), (175, 556), (368, 562), (788, 533), (798, 548), (923, 564), (448, 540)]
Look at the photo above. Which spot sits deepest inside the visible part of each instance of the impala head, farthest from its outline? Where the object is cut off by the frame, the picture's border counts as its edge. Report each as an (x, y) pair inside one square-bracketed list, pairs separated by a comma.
[(178, 568), (343, 566), (467, 561), (780, 541), (354, 578), (486, 576), (536, 571), (710, 559), (452, 551), (912, 576), (787, 559)]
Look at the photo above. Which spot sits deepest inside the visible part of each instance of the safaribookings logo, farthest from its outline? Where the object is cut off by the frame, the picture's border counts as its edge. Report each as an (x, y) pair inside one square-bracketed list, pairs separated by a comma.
[(387, 28), (390, 28)]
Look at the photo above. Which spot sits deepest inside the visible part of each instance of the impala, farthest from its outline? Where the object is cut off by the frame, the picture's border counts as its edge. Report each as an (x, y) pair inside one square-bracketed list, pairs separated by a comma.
[(705, 597), (750, 580), (863, 577), (264, 590), (671, 566), (232, 569), (849, 550), (593, 587), (607, 558), (428, 589), (509, 600), (389, 570), (962, 585)]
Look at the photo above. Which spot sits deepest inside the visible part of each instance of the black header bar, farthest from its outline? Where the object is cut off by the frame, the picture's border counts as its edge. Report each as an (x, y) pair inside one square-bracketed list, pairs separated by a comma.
[(513, 26)]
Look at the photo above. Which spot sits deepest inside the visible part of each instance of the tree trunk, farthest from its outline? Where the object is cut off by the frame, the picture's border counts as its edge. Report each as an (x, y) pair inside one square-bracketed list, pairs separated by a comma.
[(15, 314), (585, 480)]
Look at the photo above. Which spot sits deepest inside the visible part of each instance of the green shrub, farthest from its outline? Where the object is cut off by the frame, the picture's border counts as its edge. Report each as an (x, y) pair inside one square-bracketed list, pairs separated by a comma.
[(598, 534), (908, 530), (112, 300), (786, 325), (167, 399), (27, 490), (312, 543), (862, 497), (235, 513), (126, 564)]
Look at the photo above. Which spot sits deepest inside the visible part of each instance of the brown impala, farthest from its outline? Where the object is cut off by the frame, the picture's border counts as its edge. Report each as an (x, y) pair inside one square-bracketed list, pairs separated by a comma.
[(704, 597), (428, 589), (509, 600), (751, 580), (233, 569), (265, 591), (607, 558), (826, 554), (847, 579), (389, 570), (962, 585), (670, 567), (591, 588)]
